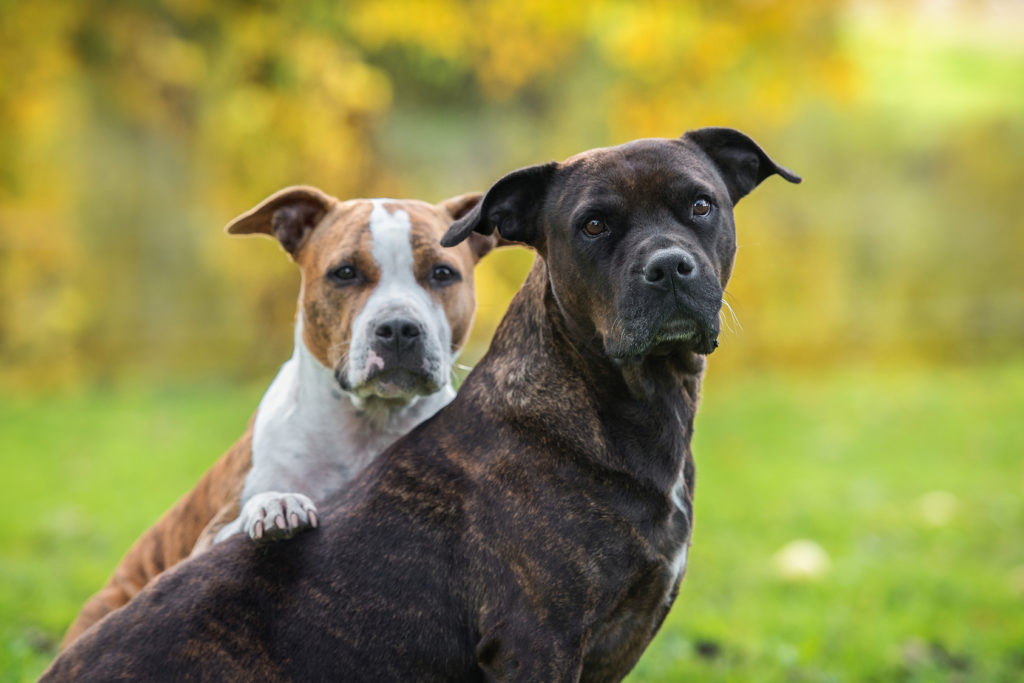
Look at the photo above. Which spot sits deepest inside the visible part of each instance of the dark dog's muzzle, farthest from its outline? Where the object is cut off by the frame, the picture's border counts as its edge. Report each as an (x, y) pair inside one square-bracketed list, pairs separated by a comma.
[(674, 302)]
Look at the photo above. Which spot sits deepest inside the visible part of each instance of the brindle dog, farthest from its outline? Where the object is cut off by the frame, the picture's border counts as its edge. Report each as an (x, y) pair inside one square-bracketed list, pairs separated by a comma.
[(536, 529)]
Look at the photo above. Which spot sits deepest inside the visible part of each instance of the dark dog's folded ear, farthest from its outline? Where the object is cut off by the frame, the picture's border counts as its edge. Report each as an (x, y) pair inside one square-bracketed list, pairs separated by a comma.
[(289, 215), (742, 162), (511, 206)]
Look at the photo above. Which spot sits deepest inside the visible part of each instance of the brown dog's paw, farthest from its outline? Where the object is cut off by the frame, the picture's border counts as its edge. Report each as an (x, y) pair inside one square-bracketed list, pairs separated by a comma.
[(273, 516)]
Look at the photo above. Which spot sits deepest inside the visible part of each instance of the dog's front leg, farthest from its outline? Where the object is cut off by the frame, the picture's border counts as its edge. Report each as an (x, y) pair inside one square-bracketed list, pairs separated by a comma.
[(526, 650), (272, 515)]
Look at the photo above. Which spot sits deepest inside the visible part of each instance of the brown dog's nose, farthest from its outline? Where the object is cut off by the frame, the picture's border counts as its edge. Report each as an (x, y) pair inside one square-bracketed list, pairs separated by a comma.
[(397, 334), (668, 267)]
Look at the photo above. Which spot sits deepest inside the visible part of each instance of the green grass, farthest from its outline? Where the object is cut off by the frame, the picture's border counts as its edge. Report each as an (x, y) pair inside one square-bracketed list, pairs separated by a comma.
[(842, 458), (84, 475)]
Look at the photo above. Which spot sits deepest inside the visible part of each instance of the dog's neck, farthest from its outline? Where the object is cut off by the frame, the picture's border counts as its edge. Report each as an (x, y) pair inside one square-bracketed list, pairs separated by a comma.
[(636, 419), (305, 414)]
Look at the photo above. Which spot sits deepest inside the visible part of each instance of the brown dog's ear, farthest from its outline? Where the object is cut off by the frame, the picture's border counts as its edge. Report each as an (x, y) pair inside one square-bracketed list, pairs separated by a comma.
[(459, 206), (289, 215), (512, 206), (742, 162)]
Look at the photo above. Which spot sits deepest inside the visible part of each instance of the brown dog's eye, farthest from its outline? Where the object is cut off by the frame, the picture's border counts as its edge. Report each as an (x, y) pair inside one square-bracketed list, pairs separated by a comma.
[(701, 207), (443, 273), (344, 274), (594, 227)]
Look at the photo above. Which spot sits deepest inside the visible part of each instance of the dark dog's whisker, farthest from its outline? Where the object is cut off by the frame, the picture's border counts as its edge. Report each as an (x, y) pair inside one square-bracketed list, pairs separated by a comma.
[(734, 324), (724, 321)]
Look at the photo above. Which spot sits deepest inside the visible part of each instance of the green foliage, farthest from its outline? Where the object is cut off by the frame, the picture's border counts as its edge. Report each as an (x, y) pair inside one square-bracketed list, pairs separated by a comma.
[(852, 460)]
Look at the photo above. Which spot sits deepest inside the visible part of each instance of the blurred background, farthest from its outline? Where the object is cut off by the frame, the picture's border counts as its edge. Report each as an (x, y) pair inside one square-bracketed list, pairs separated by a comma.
[(860, 508)]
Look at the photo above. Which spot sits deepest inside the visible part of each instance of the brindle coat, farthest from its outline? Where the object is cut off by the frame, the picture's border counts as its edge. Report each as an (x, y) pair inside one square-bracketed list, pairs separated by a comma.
[(531, 530)]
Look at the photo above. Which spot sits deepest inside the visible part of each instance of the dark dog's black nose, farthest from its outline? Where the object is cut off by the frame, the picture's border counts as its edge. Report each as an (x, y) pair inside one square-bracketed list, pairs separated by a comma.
[(670, 266), (397, 334)]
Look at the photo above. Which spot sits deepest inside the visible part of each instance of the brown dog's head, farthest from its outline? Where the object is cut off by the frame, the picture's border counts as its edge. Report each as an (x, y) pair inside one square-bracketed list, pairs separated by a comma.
[(639, 239), (382, 305)]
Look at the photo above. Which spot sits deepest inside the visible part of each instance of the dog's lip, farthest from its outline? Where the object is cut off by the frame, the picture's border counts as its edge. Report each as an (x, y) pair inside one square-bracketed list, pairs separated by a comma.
[(389, 374), (684, 330), (396, 382), (678, 328), (387, 381), (341, 377), (679, 331)]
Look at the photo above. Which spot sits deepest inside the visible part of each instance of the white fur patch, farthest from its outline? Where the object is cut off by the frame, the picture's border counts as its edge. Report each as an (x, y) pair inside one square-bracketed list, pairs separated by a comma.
[(678, 562), (398, 295), (311, 439)]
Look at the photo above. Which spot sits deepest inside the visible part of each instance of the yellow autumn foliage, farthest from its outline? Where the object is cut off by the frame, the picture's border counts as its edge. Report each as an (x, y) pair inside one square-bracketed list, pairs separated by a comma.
[(131, 132)]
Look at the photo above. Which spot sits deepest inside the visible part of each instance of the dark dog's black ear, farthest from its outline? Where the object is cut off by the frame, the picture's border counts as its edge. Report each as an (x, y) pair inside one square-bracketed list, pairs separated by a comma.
[(742, 162), (289, 215), (512, 206)]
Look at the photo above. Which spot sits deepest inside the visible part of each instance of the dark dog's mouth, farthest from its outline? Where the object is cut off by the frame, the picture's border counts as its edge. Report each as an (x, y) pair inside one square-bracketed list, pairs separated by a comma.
[(684, 334), (679, 331)]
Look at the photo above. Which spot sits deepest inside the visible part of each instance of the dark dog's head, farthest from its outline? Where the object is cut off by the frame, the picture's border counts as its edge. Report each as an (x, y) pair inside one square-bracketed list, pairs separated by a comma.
[(639, 238)]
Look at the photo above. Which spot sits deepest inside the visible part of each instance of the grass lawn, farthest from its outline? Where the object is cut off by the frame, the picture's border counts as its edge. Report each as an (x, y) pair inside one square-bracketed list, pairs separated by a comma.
[(910, 481)]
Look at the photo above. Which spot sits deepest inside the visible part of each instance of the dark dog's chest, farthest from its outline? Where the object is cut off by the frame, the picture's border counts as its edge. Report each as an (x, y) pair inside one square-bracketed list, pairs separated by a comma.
[(645, 595), (638, 592)]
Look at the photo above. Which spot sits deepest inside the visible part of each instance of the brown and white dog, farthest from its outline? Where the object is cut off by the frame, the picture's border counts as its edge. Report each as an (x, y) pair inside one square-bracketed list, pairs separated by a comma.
[(383, 313)]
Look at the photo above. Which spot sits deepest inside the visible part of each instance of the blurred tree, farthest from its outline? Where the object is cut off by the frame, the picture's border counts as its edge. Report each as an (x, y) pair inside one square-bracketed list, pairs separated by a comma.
[(131, 131)]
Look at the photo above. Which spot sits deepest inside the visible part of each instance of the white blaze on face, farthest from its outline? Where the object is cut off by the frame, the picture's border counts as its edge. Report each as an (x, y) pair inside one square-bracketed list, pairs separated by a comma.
[(397, 295)]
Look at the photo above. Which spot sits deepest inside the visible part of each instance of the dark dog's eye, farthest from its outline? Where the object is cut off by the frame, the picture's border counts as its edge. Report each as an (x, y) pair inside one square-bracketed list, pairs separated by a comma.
[(344, 274), (594, 227), (443, 273), (701, 207)]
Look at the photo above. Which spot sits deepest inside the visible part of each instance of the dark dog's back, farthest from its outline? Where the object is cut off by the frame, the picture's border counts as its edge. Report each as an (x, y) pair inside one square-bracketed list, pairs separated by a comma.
[(371, 597)]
